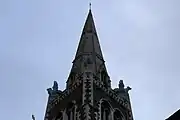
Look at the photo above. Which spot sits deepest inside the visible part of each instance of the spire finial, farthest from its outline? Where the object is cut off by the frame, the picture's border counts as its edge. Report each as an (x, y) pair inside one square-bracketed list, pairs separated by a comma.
[(90, 6)]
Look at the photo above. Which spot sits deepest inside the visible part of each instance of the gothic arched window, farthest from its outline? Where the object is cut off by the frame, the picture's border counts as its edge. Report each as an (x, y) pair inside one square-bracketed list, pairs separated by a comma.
[(105, 111)]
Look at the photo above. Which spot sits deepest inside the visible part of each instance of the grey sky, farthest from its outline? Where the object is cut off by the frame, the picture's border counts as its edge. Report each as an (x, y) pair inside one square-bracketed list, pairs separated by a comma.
[(139, 40)]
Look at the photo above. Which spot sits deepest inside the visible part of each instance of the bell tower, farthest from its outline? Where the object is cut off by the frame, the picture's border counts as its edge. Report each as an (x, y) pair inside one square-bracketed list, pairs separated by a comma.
[(88, 94)]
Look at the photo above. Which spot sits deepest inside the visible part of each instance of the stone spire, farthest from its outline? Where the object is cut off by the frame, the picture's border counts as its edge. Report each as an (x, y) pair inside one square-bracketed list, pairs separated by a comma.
[(89, 42), (89, 55)]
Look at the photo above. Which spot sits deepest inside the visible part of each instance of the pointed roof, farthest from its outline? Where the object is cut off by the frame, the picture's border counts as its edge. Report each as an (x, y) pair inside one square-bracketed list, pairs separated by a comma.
[(89, 42), (89, 55)]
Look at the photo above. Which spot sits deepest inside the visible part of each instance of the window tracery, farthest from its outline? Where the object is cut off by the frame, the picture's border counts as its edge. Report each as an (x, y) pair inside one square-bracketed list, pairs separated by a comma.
[(71, 111), (105, 111)]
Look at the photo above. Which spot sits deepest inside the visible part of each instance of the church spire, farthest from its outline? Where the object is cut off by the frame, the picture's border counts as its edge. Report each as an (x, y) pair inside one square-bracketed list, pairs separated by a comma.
[(89, 54), (88, 94), (89, 40)]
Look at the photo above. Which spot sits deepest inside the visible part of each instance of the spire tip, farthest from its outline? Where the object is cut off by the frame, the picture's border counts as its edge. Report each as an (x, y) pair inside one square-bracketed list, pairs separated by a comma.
[(90, 6)]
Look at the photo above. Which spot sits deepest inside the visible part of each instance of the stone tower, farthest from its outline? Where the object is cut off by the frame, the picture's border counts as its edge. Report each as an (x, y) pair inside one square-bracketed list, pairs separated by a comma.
[(88, 94)]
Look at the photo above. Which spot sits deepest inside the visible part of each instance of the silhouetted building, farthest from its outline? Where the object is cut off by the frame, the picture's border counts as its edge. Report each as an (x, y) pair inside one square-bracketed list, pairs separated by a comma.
[(88, 94), (175, 116)]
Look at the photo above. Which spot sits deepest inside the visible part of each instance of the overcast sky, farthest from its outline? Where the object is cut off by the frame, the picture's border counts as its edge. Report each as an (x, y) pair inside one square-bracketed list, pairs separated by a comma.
[(140, 41)]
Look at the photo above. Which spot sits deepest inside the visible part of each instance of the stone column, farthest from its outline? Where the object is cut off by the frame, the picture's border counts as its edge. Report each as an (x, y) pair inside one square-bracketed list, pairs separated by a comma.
[(65, 115), (112, 114)]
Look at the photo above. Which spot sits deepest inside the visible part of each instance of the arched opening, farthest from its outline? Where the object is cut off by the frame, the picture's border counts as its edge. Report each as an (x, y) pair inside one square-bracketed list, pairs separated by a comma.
[(117, 115), (70, 111), (105, 110), (104, 78), (59, 116), (71, 79)]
